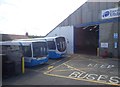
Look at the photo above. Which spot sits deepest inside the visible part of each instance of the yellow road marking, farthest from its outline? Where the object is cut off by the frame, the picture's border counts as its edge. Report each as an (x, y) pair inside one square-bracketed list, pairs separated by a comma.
[(67, 66), (71, 69), (56, 67), (50, 67), (82, 79), (74, 67), (63, 70)]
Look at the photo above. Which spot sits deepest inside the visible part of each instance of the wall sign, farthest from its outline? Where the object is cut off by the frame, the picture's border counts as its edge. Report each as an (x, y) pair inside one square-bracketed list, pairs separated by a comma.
[(110, 13), (115, 45), (104, 45), (115, 35)]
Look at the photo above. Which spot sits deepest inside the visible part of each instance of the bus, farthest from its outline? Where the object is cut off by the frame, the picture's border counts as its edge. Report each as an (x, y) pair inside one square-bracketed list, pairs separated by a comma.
[(56, 47), (34, 52)]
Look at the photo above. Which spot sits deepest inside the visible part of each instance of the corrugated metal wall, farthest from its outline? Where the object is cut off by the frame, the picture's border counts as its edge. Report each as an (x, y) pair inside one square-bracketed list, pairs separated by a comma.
[(88, 12), (119, 39)]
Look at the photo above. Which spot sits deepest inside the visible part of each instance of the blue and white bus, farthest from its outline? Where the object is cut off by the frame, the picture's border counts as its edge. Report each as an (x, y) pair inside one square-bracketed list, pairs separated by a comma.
[(56, 47), (34, 52)]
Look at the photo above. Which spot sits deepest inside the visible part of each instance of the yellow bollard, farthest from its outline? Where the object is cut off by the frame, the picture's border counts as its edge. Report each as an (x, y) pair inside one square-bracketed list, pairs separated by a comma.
[(23, 65)]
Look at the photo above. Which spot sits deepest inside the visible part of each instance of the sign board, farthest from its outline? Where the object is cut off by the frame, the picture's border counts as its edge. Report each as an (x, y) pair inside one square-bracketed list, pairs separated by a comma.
[(110, 13), (115, 35), (115, 45), (104, 45)]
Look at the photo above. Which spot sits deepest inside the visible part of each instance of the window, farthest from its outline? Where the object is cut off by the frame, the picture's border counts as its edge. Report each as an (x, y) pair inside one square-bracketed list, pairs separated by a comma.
[(27, 51), (61, 44), (39, 49), (11, 48), (51, 45)]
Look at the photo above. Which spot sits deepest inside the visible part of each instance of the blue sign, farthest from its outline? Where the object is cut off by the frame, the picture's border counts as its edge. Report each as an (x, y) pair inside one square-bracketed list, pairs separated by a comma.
[(115, 35), (115, 45), (107, 13), (110, 13)]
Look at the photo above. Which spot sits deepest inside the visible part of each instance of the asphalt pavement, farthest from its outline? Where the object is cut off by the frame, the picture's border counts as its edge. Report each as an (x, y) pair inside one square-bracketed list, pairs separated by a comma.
[(75, 69)]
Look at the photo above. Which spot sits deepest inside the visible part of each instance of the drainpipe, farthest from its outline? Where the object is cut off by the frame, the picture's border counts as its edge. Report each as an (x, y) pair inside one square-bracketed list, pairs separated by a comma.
[(118, 5)]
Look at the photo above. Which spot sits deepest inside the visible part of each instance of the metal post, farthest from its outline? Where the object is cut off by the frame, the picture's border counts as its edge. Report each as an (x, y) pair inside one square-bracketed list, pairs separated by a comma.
[(118, 31), (23, 65)]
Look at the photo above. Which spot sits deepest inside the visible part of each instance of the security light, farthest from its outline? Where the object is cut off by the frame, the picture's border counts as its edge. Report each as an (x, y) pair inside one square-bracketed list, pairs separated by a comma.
[(84, 28), (96, 30), (90, 29), (95, 26)]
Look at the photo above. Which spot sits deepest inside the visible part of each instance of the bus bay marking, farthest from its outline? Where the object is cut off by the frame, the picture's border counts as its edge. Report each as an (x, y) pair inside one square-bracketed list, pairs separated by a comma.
[(95, 77), (101, 66)]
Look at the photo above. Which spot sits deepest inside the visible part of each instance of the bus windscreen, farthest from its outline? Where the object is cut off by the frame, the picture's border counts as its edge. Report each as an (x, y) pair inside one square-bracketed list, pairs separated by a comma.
[(61, 44)]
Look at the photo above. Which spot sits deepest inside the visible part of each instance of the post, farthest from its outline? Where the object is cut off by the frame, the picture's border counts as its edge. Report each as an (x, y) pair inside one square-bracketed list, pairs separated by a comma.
[(97, 51), (23, 65)]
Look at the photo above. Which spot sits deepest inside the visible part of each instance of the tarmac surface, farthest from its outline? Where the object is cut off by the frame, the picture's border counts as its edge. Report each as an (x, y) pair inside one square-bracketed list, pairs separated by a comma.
[(74, 69)]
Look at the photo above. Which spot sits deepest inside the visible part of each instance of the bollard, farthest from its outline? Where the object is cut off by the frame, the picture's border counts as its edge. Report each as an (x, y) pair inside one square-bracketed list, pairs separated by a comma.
[(23, 65), (97, 51)]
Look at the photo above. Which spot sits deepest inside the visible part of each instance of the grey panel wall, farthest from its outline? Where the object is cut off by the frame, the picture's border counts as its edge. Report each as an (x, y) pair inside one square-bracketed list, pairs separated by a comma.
[(84, 13), (105, 34), (88, 12), (119, 39), (96, 11), (78, 16), (107, 31), (115, 30), (110, 5)]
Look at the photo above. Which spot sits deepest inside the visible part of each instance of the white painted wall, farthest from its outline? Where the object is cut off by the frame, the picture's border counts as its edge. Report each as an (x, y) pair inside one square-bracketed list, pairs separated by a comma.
[(68, 33)]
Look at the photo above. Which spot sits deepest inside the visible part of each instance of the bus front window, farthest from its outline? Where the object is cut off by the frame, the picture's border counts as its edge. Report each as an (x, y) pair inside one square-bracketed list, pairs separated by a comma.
[(61, 44)]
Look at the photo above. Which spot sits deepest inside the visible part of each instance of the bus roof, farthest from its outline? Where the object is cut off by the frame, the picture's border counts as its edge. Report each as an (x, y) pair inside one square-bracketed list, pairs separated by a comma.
[(31, 40), (20, 42), (53, 37), (9, 43)]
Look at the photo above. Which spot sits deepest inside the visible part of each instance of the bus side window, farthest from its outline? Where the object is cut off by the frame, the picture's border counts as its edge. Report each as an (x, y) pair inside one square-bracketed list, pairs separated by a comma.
[(27, 51), (51, 45), (14, 48)]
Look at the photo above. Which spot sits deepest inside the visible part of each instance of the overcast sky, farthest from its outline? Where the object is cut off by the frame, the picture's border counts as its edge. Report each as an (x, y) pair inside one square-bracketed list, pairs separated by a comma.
[(37, 17)]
